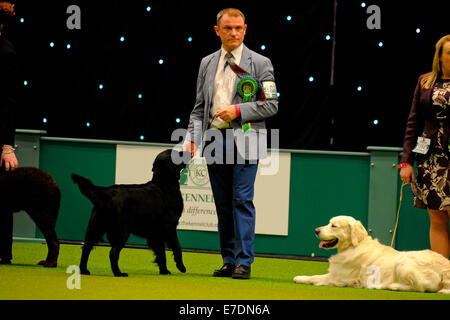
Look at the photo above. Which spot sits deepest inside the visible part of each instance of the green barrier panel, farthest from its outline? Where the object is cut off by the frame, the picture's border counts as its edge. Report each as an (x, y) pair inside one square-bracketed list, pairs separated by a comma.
[(383, 199), (62, 158), (323, 186)]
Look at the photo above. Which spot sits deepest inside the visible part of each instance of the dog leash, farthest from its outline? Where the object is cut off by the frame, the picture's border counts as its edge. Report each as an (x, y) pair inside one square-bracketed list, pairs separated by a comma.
[(398, 214)]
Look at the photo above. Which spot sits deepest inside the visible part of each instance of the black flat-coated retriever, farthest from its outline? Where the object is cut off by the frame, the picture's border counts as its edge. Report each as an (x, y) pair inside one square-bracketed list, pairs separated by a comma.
[(36, 192), (149, 210)]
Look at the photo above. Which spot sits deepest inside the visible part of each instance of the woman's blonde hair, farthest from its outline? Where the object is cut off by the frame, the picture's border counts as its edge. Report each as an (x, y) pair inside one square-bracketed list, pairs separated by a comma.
[(430, 78)]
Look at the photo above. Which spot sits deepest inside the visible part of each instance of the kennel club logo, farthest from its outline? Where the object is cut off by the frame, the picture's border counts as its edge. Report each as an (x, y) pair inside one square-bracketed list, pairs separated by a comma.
[(197, 172)]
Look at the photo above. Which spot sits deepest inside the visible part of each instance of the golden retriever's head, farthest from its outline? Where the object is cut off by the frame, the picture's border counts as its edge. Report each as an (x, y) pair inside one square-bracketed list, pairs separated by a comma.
[(342, 232)]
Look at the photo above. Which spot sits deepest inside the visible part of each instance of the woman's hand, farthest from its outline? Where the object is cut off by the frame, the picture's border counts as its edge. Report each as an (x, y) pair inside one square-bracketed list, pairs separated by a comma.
[(407, 174), (8, 158)]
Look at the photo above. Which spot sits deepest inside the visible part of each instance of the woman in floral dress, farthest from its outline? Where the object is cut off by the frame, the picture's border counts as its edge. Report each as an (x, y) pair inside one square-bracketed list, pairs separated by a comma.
[(427, 142)]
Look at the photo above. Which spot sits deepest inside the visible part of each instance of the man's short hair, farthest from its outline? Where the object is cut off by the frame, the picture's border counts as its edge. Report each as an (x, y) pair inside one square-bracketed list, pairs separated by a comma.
[(230, 11)]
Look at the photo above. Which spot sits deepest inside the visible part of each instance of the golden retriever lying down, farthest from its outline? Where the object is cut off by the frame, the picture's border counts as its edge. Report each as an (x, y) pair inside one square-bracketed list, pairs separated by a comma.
[(363, 262)]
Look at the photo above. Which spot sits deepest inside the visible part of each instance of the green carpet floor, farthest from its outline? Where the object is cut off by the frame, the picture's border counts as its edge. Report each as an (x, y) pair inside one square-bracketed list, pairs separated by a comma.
[(271, 278)]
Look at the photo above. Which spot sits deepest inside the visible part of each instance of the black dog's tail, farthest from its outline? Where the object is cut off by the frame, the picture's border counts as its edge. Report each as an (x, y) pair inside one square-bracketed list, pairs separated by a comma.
[(87, 188)]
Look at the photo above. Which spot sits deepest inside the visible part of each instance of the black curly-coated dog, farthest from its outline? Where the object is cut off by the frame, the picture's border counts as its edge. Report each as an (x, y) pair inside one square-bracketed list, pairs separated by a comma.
[(149, 210), (35, 192)]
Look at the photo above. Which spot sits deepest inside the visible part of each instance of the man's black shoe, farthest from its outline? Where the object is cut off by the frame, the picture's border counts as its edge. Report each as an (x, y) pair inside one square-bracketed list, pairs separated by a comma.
[(226, 271), (4, 261), (241, 272)]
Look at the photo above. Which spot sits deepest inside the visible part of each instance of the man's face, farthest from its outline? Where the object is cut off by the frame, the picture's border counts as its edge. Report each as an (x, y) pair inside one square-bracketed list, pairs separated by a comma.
[(231, 30)]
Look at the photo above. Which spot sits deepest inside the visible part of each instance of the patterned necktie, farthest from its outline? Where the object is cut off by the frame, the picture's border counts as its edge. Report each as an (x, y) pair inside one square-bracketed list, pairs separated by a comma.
[(234, 66), (228, 62)]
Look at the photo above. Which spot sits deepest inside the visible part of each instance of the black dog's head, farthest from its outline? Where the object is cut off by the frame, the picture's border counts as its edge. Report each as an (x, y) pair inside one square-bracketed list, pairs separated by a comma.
[(169, 164)]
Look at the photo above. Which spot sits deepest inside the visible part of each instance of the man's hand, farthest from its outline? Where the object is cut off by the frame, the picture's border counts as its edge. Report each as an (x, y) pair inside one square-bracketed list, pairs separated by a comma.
[(227, 114), (189, 146)]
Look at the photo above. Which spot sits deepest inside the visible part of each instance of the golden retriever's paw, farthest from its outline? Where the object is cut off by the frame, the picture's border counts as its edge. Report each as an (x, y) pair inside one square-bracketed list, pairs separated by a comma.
[(398, 287), (445, 291), (302, 279)]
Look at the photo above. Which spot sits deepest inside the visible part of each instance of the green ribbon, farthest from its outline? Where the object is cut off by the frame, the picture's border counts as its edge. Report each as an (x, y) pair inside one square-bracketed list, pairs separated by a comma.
[(247, 88)]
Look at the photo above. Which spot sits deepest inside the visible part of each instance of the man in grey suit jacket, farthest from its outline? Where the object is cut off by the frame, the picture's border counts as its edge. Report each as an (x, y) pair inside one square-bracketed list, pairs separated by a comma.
[(231, 108)]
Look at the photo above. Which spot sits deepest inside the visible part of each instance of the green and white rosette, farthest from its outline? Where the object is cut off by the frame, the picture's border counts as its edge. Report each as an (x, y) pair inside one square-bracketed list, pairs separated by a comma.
[(247, 88)]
